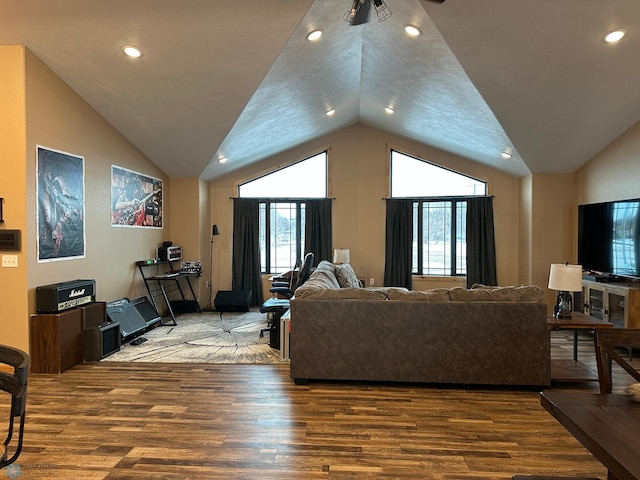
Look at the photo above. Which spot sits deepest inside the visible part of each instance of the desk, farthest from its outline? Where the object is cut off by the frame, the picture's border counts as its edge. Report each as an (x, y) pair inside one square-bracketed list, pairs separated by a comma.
[(162, 279), (607, 425), (574, 371)]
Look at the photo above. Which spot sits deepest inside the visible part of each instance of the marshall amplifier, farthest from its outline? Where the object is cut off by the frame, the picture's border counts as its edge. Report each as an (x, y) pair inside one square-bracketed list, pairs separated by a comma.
[(63, 296)]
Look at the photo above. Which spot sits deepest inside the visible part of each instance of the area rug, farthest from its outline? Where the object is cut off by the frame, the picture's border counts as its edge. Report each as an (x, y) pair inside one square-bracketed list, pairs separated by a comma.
[(207, 337)]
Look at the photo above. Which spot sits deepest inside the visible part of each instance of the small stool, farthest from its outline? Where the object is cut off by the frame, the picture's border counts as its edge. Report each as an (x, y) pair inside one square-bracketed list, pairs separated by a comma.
[(274, 308)]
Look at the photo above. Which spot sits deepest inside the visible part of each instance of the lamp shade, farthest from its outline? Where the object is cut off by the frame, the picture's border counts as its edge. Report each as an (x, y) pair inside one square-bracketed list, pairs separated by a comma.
[(565, 277), (341, 255)]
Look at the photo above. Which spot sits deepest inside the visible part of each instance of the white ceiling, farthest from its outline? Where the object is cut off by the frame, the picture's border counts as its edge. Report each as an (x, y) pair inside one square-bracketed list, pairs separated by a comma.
[(239, 79)]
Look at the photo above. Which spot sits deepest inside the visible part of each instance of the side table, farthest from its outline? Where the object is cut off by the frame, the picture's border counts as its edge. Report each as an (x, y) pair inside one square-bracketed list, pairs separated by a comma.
[(573, 370)]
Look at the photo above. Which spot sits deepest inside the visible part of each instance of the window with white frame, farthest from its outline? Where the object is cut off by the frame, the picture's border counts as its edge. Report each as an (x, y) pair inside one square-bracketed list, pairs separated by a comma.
[(282, 196), (439, 212)]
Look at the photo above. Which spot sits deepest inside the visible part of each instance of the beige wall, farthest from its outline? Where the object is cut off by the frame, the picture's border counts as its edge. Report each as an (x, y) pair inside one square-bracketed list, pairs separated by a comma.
[(45, 111), (613, 174), (358, 176), (13, 281)]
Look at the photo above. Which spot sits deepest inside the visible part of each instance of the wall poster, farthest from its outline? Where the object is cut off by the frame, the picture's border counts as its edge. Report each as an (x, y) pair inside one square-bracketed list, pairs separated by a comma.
[(60, 209), (136, 199)]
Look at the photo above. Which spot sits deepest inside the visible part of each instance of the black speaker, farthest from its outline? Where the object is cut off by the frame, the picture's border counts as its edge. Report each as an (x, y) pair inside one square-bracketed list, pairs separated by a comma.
[(101, 337), (232, 301), (134, 316), (101, 341)]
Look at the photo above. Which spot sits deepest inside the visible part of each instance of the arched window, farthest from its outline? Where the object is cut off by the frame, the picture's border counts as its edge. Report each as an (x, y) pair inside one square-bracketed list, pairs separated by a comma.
[(439, 212), (282, 195)]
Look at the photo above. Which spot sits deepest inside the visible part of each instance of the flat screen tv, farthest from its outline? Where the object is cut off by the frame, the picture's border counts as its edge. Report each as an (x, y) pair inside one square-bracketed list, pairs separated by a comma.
[(609, 237)]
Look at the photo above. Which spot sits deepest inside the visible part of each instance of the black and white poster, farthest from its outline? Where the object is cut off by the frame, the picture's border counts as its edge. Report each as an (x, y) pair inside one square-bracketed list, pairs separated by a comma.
[(60, 190), (136, 199)]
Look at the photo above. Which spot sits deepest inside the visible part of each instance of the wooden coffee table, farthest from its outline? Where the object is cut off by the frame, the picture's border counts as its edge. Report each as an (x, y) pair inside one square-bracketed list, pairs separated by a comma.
[(573, 370)]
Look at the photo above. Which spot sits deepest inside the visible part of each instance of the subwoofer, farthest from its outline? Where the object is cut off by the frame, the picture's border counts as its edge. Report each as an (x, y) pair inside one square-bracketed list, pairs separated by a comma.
[(101, 337), (232, 300)]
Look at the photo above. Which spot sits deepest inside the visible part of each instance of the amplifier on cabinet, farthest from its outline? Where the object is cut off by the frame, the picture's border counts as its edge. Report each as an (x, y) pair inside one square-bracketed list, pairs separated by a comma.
[(58, 297)]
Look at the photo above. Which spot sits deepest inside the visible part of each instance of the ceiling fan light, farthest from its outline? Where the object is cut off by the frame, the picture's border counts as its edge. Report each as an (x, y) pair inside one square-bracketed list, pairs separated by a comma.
[(412, 30), (615, 35)]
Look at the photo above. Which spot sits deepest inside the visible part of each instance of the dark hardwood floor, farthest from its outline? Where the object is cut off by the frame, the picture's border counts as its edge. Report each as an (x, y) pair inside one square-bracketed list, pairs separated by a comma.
[(179, 421)]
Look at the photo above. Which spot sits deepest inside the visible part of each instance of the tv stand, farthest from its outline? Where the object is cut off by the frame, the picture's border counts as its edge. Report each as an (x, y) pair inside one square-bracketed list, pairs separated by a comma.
[(617, 302)]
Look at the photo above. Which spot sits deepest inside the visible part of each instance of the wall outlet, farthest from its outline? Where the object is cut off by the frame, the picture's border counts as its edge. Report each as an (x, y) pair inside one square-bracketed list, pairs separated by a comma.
[(371, 282), (207, 284), (10, 261)]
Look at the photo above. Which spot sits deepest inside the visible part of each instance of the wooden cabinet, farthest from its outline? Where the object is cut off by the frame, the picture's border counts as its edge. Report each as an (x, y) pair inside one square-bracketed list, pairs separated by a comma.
[(618, 303), (56, 341)]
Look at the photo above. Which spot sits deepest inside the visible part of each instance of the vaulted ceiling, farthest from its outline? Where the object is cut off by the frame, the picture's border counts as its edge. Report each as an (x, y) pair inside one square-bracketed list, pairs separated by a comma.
[(239, 79)]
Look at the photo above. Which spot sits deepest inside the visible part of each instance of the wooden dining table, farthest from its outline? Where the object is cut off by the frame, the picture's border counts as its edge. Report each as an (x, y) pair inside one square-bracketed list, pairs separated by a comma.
[(608, 425)]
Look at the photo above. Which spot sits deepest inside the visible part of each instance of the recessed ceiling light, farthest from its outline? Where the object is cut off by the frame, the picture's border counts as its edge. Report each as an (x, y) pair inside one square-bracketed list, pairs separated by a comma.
[(330, 112), (506, 155), (411, 30), (222, 160), (389, 110), (615, 35), (315, 35), (131, 51)]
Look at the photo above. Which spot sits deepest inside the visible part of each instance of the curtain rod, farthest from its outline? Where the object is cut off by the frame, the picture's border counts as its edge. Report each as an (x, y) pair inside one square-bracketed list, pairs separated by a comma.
[(276, 199), (450, 197)]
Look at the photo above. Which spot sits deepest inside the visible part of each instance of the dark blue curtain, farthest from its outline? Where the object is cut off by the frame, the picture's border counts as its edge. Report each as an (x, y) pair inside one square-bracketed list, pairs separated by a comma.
[(398, 243), (481, 244), (246, 273)]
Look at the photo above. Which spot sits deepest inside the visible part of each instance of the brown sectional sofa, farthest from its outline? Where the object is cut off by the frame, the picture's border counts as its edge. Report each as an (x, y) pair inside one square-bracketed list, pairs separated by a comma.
[(482, 336)]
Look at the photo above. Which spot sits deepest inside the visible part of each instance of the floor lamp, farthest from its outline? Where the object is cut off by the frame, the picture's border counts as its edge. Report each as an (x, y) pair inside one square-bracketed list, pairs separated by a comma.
[(214, 232)]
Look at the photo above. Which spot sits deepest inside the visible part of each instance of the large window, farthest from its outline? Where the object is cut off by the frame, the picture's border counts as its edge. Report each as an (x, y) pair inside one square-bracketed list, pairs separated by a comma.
[(282, 197), (439, 213)]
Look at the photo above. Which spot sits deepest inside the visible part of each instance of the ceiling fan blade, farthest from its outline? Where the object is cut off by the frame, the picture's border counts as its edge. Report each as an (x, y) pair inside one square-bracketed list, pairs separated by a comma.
[(362, 15), (358, 13), (382, 10)]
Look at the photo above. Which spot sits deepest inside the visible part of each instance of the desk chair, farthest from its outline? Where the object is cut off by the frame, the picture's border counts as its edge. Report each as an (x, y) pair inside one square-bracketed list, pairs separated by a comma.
[(276, 307), (608, 341), (285, 286), (16, 385), (303, 275)]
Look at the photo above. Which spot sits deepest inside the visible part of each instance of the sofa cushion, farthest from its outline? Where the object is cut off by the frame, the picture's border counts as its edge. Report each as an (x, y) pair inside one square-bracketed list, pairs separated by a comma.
[(322, 277), (435, 295), (525, 293), (339, 294), (346, 276)]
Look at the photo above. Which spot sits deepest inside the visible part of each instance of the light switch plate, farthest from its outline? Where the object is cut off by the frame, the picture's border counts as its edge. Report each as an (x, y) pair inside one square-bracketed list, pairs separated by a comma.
[(10, 261)]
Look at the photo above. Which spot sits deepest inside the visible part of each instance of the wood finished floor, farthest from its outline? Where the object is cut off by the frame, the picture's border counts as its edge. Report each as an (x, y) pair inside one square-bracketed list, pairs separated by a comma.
[(188, 421)]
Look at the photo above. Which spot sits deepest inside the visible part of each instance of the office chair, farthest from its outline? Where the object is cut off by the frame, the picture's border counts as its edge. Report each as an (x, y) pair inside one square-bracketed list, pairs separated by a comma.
[(608, 340), (283, 285), (301, 277), (276, 307), (16, 385)]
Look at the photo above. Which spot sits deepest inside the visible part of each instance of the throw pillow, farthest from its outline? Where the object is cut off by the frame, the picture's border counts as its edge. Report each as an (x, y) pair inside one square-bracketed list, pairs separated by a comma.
[(346, 276)]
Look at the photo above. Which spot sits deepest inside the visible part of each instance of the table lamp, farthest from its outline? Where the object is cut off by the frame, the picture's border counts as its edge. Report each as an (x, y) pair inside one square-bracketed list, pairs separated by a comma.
[(565, 279), (341, 255)]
